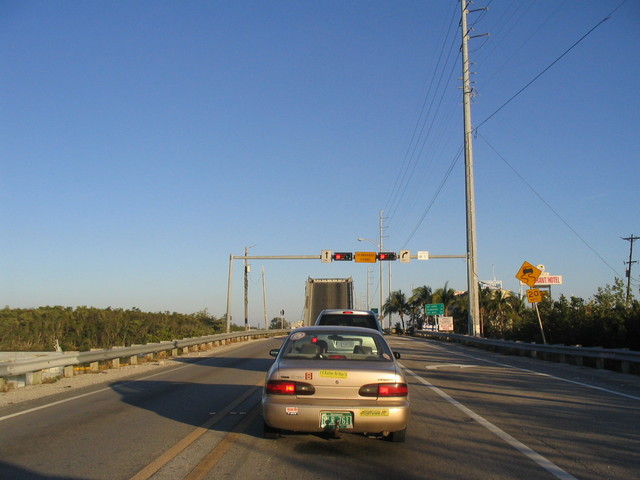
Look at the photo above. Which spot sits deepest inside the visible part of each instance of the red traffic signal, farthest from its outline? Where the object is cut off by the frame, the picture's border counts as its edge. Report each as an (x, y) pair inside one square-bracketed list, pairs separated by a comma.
[(382, 256), (342, 256)]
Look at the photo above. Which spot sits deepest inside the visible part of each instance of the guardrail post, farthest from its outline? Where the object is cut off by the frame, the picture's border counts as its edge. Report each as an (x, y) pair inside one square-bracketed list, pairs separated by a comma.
[(625, 367), (115, 363), (133, 360), (33, 378), (94, 367), (174, 352), (68, 371)]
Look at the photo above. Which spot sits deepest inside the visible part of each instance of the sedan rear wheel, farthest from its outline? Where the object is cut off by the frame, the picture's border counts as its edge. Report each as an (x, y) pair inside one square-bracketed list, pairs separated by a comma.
[(398, 436), (270, 432)]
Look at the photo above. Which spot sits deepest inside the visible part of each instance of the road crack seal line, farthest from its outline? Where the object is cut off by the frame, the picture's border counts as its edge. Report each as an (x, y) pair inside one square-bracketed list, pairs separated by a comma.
[(548, 465), (173, 452), (214, 456), (448, 365)]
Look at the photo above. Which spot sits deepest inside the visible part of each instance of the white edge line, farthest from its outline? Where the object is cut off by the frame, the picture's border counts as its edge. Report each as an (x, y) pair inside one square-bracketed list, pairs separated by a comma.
[(574, 382), (70, 399), (521, 447), (586, 385)]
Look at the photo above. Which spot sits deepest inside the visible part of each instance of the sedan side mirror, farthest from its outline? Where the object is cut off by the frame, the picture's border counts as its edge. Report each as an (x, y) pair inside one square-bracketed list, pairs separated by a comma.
[(274, 352)]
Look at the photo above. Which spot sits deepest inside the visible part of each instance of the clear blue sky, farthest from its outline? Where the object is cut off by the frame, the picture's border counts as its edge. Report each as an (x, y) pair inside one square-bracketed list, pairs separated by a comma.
[(143, 142)]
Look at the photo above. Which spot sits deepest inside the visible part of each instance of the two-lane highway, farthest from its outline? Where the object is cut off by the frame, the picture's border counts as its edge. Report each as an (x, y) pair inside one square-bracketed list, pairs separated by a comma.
[(476, 415)]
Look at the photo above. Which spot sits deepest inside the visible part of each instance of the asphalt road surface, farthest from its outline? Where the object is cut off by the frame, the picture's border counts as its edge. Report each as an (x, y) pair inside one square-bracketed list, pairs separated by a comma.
[(475, 415)]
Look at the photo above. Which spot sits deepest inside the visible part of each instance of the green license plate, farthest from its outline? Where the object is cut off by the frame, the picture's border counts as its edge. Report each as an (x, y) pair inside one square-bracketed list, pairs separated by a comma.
[(344, 419)]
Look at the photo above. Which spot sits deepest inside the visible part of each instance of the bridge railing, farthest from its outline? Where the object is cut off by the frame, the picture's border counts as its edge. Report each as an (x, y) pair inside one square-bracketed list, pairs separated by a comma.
[(623, 360), (22, 369)]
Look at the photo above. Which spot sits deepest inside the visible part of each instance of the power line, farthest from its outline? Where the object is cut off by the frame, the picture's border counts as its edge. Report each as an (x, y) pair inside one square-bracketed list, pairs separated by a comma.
[(547, 203), (526, 41), (410, 157), (435, 195), (549, 66)]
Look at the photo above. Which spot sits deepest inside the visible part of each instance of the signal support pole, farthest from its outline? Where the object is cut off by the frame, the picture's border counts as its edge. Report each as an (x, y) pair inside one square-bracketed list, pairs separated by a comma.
[(380, 249), (246, 257), (246, 289), (472, 261)]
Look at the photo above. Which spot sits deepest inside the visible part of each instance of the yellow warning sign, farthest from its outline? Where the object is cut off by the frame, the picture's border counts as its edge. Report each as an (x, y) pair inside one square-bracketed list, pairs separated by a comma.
[(528, 274), (366, 257), (534, 295)]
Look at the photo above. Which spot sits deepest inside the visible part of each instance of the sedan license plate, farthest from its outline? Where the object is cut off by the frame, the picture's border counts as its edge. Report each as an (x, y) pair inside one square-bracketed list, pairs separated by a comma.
[(344, 419)]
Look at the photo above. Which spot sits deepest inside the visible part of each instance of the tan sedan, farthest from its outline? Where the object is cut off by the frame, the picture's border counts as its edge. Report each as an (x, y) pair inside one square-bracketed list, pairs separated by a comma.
[(336, 379)]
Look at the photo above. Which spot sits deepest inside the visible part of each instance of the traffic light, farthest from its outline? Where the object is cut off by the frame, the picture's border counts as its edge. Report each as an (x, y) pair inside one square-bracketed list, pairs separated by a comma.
[(342, 256), (382, 256)]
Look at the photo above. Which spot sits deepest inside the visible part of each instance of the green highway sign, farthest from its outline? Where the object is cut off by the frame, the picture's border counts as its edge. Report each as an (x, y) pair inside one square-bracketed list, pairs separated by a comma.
[(434, 309)]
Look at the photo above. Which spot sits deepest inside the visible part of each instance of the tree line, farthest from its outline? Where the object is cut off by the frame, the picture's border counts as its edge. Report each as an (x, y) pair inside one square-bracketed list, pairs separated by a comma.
[(605, 320), (84, 328)]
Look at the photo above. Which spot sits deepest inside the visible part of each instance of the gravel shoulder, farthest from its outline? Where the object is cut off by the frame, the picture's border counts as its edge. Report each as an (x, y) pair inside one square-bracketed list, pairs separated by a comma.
[(32, 392)]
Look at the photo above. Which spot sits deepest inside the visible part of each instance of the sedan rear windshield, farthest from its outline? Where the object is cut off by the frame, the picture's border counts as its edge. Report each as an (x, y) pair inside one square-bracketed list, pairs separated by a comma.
[(336, 346), (366, 321)]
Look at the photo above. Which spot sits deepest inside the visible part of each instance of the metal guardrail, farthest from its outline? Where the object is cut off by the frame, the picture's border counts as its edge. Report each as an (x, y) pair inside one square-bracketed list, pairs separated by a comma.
[(626, 361), (41, 361)]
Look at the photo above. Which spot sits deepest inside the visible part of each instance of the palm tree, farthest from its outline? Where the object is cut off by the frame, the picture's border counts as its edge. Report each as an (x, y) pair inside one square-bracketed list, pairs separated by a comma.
[(445, 295), (397, 303), (421, 297), (500, 306)]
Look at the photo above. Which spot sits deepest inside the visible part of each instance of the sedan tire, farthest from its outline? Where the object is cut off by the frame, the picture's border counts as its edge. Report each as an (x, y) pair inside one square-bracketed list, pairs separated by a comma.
[(270, 432), (398, 436)]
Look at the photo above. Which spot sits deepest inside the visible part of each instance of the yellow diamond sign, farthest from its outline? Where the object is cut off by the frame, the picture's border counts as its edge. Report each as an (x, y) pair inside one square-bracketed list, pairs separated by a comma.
[(528, 274)]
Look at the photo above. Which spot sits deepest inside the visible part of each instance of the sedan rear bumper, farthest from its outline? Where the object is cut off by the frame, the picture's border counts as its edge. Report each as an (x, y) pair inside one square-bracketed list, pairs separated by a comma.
[(307, 418)]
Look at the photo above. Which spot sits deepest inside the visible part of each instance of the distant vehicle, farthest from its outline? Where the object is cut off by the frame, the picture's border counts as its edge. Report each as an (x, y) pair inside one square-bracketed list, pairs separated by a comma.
[(336, 379), (323, 293), (349, 318)]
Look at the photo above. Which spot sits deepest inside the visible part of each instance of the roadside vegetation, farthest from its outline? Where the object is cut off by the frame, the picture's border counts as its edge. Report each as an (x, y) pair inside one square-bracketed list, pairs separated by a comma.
[(605, 320), (84, 328)]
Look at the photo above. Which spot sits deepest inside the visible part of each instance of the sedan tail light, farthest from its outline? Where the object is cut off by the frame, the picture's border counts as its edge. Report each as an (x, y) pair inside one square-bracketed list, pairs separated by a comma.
[(287, 387), (384, 390)]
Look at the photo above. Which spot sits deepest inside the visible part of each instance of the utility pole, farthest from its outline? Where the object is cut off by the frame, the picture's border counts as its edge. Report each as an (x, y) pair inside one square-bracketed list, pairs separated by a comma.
[(369, 272), (247, 269), (472, 260), (380, 249), (630, 239), (264, 299)]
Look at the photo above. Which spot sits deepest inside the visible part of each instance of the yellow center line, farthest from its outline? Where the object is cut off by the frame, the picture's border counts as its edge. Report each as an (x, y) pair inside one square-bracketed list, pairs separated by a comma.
[(210, 461), (172, 452)]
